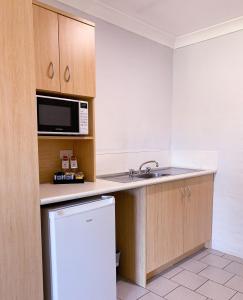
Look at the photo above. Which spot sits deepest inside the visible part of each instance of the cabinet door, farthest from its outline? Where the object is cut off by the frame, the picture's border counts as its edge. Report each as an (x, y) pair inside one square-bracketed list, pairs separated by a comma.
[(77, 57), (164, 229), (46, 49), (198, 211)]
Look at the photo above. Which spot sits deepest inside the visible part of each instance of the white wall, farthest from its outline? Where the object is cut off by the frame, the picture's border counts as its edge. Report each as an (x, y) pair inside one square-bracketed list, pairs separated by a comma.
[(134, 93), (208, 126), (134, 84)]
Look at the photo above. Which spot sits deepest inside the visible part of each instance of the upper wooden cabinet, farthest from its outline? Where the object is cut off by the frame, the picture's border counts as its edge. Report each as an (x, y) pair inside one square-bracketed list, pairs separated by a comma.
[(46, 49), (64, 53), (77, 57)]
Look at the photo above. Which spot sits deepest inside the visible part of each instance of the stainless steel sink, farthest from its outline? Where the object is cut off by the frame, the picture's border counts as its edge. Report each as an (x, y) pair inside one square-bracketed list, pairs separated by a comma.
[(154, 173), (151, 175)]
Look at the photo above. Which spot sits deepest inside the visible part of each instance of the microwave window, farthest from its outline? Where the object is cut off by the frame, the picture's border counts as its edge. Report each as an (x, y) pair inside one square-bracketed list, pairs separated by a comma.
[(54, 115)]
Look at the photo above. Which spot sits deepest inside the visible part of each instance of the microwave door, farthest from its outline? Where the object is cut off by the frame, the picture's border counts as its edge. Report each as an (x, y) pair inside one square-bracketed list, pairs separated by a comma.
[(57, 116)]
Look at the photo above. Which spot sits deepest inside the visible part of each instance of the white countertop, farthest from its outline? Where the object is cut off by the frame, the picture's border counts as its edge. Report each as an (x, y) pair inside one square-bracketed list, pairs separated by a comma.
[(53, 193)]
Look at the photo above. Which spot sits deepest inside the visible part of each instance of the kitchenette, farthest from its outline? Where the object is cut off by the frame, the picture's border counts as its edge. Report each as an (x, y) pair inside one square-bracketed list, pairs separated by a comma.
[(161, 216), (152, 216), (117, 185)]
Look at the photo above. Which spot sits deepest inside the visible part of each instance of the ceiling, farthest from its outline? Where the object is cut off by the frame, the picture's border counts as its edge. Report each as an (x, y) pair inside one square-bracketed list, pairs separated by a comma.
[(167, 20), (180, 17)]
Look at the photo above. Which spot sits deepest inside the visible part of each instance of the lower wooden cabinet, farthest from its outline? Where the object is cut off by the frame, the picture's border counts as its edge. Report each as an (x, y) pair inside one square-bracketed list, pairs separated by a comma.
[(198, 201), (160, 224), (164, 224)]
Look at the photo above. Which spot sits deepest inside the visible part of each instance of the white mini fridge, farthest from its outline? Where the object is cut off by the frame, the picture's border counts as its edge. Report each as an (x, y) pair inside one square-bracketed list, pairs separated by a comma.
[(79, 255)]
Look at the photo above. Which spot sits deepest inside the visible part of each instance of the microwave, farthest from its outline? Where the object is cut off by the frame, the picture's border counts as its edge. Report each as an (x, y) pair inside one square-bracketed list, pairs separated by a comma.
[(60, 116)]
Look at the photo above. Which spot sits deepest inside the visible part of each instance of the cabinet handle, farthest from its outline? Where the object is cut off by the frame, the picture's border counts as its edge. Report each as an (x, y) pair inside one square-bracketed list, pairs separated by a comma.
[(67, 74), (188, 191), (183, 192), (51, 71)]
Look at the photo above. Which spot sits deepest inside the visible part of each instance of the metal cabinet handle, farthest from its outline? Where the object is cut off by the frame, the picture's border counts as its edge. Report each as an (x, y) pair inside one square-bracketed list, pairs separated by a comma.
[(51, 71), (183, 192), (189, 193), (67, 74)]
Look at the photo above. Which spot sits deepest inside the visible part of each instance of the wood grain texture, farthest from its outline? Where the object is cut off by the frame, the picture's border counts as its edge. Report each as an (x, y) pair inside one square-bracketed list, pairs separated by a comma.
[(46, 49), (85, 152), (20, 237), (77, 53), (130, 234), (63, 13), (164, 228), (49, 157), (198, 209), (174, 261), (50, 162), (58, 137)]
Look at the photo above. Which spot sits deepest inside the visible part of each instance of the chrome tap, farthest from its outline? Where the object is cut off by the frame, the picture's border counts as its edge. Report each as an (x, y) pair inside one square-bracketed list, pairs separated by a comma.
[(148, 169)]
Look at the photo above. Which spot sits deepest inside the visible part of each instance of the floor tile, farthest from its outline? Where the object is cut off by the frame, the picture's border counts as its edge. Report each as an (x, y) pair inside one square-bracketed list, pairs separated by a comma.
[(236, 283), (216, 274), (151, 296), (234, 258), (182, 293), (200, 254), (215, 261), (215, 252), (216, 291), (172, 272), (235, 268), (189, 279), (161, 286), (238, 296), (193, 266), (128, 291)]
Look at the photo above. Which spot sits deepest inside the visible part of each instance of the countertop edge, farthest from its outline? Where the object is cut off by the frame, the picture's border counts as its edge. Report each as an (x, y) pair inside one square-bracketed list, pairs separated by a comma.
[(115, 187)]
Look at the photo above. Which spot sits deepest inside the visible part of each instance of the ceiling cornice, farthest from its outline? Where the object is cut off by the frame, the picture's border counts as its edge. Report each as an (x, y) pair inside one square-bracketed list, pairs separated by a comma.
[(209, 33), (123, 20), (107, 13)]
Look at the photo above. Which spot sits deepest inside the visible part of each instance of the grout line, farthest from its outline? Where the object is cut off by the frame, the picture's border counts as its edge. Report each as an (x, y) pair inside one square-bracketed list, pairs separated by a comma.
[(233, 295), (175, 274), (233, 275), (169, 291), (144, 294), (222, 286), (227, 265), (201, 285)]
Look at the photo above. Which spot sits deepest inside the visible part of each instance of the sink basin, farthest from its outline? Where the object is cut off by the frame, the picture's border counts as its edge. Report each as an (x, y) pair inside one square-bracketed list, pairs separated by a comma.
[(152, 175)]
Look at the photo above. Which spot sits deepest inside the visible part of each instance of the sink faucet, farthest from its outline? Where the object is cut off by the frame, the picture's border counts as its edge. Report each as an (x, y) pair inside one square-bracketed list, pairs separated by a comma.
[(148, 169)]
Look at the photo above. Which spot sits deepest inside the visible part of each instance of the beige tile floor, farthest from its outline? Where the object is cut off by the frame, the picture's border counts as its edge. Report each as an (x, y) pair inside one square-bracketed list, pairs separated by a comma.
[(209, 274)]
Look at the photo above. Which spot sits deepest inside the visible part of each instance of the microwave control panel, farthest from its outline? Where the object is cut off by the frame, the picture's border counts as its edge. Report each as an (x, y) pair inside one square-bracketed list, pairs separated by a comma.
[(83, 117)]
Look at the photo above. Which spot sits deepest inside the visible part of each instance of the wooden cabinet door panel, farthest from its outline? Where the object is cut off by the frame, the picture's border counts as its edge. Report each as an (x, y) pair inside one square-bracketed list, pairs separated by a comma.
[(77, 57), (20, 234), (164, 229), (198, 211), (46, 49)]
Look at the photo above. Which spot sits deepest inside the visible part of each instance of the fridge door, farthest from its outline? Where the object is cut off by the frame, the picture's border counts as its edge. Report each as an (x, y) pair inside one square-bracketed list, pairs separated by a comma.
[(82, 249)]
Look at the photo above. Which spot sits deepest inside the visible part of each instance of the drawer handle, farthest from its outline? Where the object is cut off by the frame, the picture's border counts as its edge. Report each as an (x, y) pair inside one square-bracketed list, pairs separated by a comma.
[(51, 71), (67, 74)]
